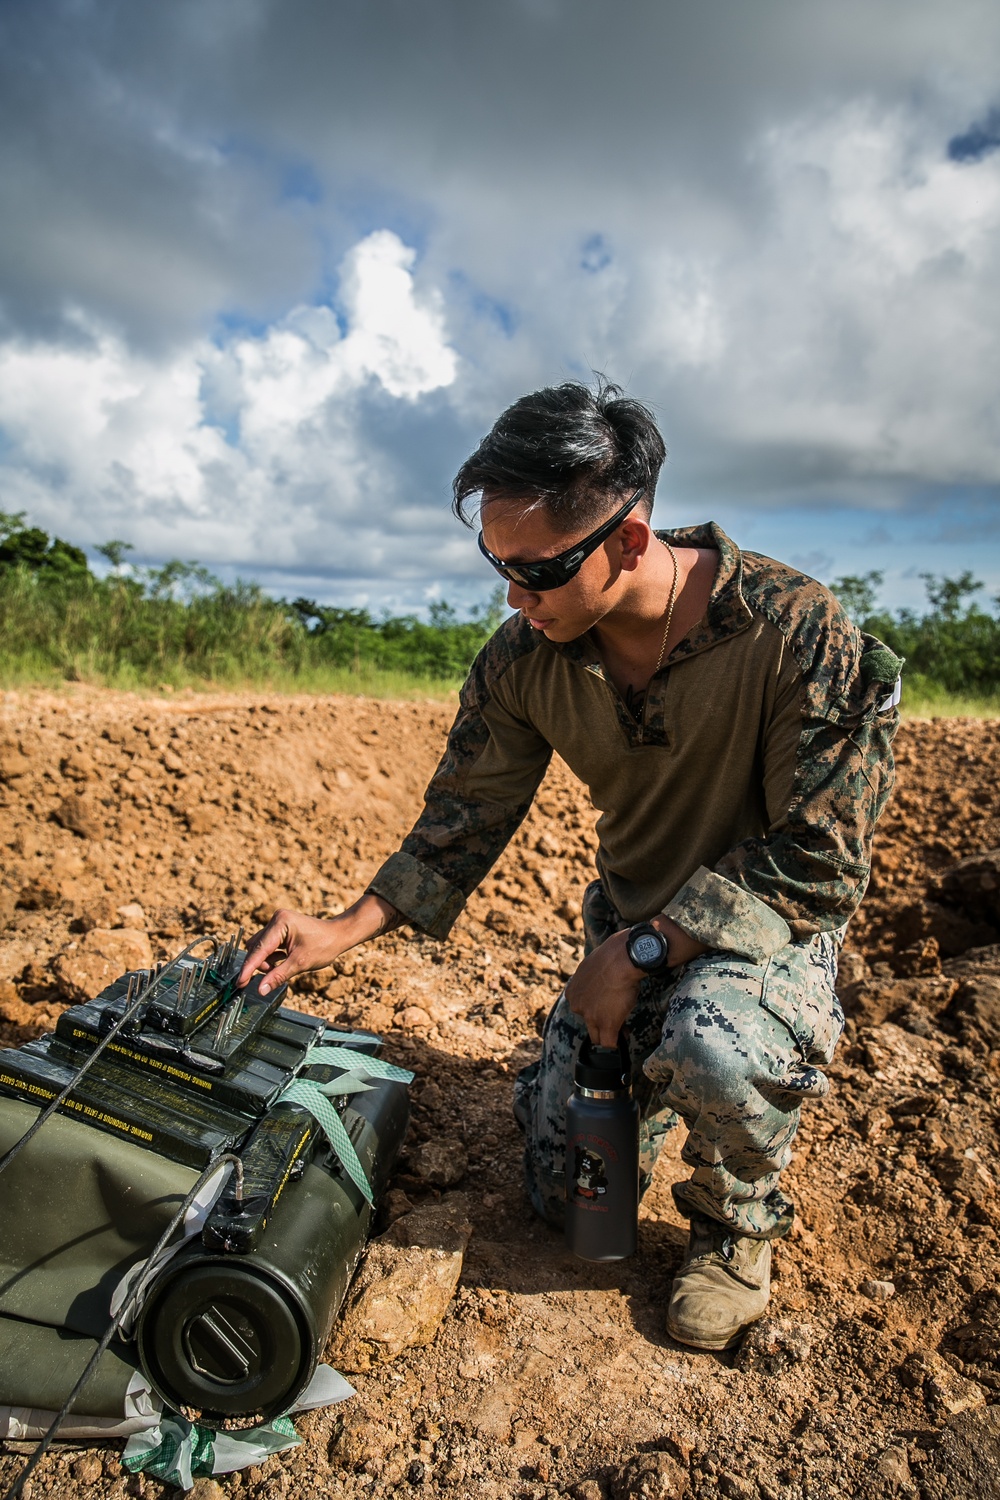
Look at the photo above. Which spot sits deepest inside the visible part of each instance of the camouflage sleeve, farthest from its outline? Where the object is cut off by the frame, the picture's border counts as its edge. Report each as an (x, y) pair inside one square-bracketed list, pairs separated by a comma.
[(828, 772), (476, 800)]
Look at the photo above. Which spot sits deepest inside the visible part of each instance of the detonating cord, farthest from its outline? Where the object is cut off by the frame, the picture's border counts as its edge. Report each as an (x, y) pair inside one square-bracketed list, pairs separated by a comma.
[(125, 1311), (141, 999)]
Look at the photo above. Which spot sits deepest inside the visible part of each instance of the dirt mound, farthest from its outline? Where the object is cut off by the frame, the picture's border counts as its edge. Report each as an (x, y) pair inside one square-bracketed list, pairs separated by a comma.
[(124, 821)]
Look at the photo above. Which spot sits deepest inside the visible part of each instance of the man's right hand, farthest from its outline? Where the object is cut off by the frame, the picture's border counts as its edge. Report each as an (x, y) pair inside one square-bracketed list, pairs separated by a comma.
[(293, 943)]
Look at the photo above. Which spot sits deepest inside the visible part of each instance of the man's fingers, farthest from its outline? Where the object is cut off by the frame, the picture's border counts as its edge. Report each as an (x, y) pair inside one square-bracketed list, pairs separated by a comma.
[(280, 974), (261, 948)]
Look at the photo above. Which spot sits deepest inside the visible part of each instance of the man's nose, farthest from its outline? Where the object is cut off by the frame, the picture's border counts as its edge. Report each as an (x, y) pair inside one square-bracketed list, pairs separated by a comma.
[(519, 598)]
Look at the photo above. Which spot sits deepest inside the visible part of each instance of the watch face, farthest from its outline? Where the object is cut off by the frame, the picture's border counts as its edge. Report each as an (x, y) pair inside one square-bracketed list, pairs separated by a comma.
[(647, 950)]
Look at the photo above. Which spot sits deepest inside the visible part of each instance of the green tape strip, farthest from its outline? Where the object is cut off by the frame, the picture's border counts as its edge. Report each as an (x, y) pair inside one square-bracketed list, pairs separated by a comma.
[(312, 1098), (347, 1083), (183, 1449), (359, 1063)]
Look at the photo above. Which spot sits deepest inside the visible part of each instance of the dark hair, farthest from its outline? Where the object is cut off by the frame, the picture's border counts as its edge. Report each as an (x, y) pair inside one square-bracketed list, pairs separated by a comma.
[(567, 447)]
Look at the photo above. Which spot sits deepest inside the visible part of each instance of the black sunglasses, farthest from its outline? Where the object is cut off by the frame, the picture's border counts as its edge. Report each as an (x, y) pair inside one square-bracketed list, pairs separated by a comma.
[(553, 572)]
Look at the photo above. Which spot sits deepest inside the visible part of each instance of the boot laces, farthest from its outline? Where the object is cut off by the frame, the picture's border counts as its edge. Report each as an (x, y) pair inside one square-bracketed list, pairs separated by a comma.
[(711, 1240)]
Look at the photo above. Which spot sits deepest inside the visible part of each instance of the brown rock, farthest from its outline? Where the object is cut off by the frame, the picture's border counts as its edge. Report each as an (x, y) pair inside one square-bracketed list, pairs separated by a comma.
[(440, 1163), (977, 1004), (13, 763), (587, 1489), (944, 1390), (8, 901), (40, 894), (650, 1476), (375, 1016), (923, 959), (878, 1291), (88, 1469), (206, 1489), (203, 818), (852, 968), (414, 1017), (78, 766), (973, 886), (975, 962), (894, 1466), (132, 915), (394, 1205), (406, 1281), (99, 957), (435, 1226), (735, 1487), (957, 1170), (64, 864), (774, 1343), (871, 1001), (98, 912), (80, 816), (955, 931), (397, 1302), (978, 1341)]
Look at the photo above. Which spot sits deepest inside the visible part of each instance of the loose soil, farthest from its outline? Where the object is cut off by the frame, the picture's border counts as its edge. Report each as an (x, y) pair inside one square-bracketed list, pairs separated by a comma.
[(877, 1372)]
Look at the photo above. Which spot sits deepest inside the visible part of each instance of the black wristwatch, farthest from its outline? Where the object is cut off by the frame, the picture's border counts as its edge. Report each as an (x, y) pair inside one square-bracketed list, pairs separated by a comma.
[(647, 949)]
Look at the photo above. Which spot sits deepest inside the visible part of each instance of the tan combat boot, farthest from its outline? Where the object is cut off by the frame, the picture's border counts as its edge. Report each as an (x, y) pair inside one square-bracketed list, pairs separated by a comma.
[(722, 1286)]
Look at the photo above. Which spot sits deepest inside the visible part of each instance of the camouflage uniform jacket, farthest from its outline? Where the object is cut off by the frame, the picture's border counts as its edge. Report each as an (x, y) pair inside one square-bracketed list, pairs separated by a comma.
[(742, 799)]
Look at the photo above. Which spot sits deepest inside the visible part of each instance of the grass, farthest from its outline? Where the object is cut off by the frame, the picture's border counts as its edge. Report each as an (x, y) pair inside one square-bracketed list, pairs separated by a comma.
[(133, 636), (365, 681), (923, 699)]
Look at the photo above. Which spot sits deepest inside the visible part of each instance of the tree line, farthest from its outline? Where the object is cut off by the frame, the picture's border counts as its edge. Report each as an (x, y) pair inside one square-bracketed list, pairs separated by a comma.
[(953, 645), (179, 621)]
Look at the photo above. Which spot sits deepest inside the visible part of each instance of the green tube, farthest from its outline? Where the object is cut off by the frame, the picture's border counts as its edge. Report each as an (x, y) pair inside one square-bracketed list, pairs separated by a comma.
[(239, 1336)]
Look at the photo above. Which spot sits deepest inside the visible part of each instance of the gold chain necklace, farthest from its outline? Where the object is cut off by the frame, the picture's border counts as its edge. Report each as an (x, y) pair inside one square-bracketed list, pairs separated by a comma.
[(670, 607)]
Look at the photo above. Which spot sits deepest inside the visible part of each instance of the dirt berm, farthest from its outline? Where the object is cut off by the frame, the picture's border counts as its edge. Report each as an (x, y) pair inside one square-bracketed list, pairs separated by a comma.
[(125, 824)]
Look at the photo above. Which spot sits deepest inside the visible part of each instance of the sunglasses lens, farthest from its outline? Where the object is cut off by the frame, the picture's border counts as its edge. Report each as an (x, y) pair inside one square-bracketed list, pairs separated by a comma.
[(535, 576)]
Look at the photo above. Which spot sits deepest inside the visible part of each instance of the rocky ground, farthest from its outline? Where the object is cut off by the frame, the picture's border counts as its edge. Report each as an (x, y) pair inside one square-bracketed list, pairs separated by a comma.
[(127, 824)]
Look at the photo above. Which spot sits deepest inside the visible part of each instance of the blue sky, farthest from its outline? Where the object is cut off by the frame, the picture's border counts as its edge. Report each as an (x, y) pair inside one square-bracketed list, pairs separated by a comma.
[(270, 272)]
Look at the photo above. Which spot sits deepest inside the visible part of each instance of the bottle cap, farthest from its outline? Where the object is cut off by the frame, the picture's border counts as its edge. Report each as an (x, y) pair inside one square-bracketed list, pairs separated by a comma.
[(604, 1068)]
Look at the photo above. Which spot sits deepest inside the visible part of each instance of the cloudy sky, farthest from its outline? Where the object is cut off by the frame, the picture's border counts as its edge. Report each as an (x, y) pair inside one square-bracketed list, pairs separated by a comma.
[(270, 270)]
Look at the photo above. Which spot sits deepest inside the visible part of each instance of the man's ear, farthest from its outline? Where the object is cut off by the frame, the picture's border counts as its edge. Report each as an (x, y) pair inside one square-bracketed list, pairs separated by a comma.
[(634, 537)]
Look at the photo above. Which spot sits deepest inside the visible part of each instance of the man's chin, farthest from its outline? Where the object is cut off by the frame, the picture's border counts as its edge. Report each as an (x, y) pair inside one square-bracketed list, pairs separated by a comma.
[(558, 632)]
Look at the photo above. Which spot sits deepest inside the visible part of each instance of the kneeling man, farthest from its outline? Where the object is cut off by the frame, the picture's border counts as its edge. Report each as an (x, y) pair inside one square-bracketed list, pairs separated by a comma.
[(733, 728)]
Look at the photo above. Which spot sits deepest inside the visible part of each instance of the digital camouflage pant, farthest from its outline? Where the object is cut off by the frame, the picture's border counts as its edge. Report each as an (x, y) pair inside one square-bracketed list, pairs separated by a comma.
[(729, 1046)]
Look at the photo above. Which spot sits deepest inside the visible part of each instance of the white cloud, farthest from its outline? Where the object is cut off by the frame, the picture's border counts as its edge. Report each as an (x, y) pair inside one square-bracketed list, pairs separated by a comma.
[(247, 450), (845, 342), (880, 263)]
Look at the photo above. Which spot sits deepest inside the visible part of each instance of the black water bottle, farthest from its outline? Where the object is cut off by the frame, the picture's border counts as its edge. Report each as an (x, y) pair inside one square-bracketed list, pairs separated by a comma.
[(602, 1156)]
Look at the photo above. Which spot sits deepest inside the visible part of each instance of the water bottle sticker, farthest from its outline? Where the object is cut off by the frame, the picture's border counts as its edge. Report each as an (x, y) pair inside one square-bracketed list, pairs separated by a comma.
[(590, 1174)]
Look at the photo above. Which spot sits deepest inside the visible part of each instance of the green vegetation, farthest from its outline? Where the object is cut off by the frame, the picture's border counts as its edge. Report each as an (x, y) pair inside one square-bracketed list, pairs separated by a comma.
[(179, 626), (952, 650)]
